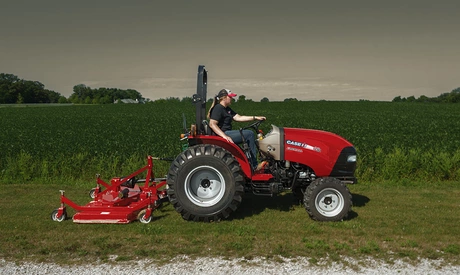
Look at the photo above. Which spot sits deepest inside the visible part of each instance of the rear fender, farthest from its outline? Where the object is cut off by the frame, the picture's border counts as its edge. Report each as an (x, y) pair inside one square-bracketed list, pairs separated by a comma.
[(233, 148)]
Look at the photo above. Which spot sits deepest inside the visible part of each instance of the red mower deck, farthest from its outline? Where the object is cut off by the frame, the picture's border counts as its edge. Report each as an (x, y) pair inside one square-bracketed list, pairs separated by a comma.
[(122, 201)]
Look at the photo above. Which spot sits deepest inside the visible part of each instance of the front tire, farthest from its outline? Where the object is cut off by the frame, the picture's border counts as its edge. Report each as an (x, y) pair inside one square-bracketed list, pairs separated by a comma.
[(205, 183), (327, 199)]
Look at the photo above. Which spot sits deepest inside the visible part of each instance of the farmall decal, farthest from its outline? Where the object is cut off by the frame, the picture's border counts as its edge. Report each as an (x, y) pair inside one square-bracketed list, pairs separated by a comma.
[(302, 145)]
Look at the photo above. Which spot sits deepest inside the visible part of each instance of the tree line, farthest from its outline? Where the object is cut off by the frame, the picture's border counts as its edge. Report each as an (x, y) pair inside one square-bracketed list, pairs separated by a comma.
[(83, 94), (14, 90), (452, 97)]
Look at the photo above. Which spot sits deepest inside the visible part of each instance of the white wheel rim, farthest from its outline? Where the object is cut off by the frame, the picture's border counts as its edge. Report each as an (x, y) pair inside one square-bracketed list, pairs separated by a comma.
[(146, 220), (329, 202), (55, 217), (204, 186)]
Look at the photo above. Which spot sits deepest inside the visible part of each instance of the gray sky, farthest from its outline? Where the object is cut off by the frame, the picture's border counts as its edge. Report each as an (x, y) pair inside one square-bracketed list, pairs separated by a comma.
[(311, 50)]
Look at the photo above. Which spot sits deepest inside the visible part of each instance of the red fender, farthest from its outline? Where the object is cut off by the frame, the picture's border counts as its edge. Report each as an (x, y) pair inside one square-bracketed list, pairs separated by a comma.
[(233, 148)]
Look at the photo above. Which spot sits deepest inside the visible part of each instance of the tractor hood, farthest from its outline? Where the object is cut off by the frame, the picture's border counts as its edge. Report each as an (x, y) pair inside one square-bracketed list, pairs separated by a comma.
[(317, 149)]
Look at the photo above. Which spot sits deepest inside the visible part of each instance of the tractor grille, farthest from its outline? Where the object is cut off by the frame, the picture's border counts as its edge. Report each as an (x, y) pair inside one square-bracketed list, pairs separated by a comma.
[(343, 168)]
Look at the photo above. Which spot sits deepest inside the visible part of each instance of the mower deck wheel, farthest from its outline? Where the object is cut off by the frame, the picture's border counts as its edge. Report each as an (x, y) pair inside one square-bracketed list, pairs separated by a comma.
[(141, 217), (54, 216), (92, 193)]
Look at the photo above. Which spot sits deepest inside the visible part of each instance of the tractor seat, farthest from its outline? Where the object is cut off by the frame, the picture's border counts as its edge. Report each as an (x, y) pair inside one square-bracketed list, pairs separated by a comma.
[(207, 130)]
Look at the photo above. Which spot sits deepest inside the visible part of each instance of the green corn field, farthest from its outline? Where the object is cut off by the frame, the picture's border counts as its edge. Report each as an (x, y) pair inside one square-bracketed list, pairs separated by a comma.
[(394, 140)]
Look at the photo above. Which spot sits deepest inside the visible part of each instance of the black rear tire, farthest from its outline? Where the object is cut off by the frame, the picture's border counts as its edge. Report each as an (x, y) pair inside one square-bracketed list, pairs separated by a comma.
[(327, 199), (205, 183)]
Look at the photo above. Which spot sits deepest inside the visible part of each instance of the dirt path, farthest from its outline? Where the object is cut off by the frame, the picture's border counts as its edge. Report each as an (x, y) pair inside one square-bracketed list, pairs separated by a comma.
[(184, 265)]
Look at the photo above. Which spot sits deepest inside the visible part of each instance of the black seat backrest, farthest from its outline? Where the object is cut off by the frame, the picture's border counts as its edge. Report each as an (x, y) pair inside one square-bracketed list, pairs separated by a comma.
[(207, 129)]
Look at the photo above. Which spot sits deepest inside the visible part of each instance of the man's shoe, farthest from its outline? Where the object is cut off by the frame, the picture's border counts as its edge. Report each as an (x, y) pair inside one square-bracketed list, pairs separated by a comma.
[(261, 165)]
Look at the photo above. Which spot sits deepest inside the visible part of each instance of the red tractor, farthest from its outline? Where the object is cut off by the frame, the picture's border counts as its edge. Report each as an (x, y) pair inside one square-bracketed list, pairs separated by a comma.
[(208, 179)]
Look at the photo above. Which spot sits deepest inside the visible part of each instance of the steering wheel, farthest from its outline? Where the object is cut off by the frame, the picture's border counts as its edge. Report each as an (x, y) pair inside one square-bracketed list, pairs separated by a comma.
[(254, 125)]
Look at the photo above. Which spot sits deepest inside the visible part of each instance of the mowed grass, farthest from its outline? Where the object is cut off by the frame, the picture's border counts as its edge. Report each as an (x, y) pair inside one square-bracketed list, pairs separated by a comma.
[(389, 221), (414, 216)]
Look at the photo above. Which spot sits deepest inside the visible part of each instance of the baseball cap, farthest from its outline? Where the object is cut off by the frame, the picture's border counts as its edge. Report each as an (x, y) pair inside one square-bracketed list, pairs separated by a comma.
[(226, 92)]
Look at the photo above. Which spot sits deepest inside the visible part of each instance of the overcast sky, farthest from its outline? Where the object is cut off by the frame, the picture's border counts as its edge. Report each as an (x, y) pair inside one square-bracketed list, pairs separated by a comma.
[(311, 50)]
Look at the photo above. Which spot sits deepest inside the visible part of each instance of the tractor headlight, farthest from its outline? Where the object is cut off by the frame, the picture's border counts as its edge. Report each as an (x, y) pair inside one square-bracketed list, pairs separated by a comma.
[(351, 158)]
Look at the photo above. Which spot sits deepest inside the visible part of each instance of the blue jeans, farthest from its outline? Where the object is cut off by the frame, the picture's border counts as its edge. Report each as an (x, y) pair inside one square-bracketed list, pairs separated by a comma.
[(250, 140)]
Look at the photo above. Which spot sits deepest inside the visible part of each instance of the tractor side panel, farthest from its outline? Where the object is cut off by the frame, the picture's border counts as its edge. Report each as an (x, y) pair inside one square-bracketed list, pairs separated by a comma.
[(314, 148)]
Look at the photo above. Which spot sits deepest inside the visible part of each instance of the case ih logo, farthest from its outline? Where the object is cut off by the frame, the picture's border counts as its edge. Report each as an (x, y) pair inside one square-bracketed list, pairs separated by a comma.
[(303, 145)]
